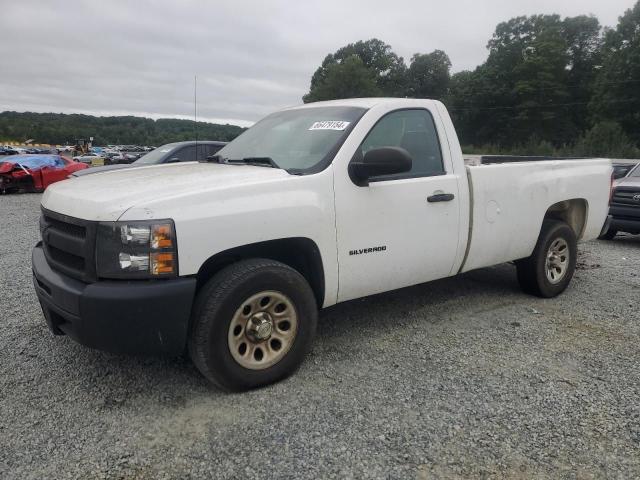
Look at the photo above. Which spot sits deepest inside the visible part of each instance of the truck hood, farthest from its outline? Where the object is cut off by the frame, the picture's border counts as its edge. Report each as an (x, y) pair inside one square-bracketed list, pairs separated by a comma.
[(108, 195)]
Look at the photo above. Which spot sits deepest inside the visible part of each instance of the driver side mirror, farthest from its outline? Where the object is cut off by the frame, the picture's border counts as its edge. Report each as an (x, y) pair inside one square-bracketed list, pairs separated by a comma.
[(378, 162)]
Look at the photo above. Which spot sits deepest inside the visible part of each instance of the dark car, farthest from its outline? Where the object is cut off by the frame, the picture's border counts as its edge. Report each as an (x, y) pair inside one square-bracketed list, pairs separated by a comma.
[(124, 158), (625, 205), (170, 153)]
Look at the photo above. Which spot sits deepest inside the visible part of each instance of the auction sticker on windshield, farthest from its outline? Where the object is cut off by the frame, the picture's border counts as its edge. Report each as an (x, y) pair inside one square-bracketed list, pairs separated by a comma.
[(329, 125)]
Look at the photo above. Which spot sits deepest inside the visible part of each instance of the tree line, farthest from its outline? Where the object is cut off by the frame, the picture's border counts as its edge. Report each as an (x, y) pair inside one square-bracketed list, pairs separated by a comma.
[(61, 129), (550, 85)]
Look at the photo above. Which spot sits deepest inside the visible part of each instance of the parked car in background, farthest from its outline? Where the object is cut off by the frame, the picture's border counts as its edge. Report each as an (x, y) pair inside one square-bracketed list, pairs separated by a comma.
[(90, 158), (624, 210), (7, 151), (115, 158), (170, 153), (112, 157), (34, 173)]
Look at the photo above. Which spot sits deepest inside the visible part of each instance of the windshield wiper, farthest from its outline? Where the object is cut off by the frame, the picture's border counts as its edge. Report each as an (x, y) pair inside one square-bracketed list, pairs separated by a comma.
[(255, 161)]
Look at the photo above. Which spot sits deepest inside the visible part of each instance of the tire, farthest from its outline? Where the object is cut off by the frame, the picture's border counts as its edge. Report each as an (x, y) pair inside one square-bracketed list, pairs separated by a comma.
[(540, 278), (608, 235), (220, 312)]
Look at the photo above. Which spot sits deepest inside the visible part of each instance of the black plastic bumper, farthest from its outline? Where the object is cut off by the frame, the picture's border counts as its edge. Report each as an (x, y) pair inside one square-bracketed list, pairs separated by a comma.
[(625, 218), (116, 316), (629, 225)]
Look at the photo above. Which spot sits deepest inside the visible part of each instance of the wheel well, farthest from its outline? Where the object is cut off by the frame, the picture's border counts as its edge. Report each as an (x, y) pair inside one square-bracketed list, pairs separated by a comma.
[(573, 212), (299, 253)]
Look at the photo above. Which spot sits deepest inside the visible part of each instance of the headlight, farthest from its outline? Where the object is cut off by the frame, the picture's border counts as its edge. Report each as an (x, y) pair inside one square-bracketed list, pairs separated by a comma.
[(142, 249)]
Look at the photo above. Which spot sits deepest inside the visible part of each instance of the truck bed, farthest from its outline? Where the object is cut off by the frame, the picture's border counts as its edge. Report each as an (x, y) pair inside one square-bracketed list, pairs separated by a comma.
[(509, 202)]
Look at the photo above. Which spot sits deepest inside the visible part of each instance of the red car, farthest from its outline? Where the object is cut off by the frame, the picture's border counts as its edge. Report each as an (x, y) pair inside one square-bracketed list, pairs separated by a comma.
[(34, 173)]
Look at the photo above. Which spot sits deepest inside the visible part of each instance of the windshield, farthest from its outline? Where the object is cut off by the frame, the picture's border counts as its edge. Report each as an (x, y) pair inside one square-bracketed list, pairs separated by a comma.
[(302, 140), (157, 155), (636, 171)]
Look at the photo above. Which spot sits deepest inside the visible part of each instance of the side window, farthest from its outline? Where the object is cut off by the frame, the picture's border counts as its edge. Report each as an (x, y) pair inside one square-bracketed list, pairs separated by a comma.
[(185, 154), (413, 130)]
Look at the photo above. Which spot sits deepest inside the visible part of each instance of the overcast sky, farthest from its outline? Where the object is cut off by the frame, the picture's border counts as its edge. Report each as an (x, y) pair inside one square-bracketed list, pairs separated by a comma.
[(113, 57)]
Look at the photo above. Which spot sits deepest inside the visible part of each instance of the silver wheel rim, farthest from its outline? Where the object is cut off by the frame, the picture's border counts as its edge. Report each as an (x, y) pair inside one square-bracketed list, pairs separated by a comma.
[(557, 260), (262, 330)]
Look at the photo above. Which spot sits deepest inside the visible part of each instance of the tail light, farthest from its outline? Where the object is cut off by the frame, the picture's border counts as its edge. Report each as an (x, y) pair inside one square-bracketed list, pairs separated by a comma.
[(611, 189)]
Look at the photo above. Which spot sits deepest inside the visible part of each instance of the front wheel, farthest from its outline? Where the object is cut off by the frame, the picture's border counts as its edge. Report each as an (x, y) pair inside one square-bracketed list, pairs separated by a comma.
[(252, 324), (549, 269)]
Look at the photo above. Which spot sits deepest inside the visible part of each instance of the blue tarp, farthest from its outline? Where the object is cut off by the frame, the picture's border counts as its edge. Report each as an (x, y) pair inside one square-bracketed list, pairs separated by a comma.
[(34, 161)]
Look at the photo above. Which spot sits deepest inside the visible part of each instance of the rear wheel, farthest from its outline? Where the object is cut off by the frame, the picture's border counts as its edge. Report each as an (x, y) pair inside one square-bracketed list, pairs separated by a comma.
[(549, 269), (253, 323)]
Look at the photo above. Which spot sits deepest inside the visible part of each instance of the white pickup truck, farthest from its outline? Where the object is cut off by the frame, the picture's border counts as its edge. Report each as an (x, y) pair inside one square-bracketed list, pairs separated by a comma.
[(231, 259)]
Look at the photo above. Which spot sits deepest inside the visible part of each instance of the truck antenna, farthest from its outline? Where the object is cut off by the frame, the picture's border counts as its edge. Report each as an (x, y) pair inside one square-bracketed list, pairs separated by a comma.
[(195, 109)]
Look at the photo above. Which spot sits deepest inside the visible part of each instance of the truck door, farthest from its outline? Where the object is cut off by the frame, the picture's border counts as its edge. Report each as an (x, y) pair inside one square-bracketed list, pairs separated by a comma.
[(401, 229)]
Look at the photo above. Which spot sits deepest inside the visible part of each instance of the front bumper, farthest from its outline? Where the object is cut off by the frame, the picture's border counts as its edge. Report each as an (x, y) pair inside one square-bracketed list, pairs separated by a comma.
[(116, 316)]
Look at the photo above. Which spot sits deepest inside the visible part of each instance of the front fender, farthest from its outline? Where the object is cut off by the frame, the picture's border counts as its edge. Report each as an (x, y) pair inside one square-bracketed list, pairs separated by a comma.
[(212, 222)]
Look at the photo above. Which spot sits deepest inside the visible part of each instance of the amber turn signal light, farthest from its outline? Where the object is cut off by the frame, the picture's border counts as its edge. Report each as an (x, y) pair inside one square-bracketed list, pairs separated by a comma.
[(162, 263)]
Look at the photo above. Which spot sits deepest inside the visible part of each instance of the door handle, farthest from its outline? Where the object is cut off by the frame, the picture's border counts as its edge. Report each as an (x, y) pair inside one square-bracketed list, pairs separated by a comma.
[(441, 197)]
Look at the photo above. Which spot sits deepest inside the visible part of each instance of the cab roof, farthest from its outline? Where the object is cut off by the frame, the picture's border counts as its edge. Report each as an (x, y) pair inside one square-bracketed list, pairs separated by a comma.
[(367, 103)]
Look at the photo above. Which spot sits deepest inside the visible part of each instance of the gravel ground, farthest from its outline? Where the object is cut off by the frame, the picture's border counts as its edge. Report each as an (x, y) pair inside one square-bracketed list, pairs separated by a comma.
[(465, 377)]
